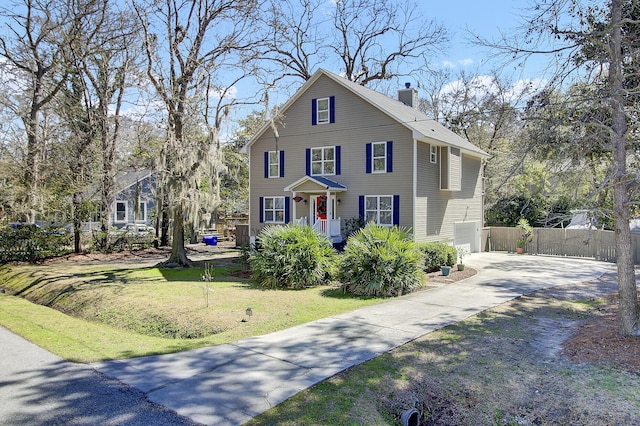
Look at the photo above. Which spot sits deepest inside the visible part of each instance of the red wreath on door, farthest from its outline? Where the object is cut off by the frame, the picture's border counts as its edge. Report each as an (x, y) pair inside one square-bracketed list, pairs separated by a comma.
[(321, 203)]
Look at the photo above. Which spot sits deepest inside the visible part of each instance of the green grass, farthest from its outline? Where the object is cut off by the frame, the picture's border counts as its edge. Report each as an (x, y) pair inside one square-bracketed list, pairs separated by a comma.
[(485, 370), (91, 313)]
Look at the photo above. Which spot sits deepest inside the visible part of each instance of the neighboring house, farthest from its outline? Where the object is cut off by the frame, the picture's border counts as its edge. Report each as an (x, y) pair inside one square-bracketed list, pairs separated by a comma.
[(342, 150), (134, 198)]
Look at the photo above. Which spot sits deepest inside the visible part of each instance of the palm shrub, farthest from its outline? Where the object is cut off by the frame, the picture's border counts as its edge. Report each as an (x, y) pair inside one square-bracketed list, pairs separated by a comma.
[(380, 261), (292, 256), (437, 254)]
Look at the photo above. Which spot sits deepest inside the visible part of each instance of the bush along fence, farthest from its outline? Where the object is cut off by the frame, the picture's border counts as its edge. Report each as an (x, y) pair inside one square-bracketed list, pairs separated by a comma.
[(596, 244), (30, 245)]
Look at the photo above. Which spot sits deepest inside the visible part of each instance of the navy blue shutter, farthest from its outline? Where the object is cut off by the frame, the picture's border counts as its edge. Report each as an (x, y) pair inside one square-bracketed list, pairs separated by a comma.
[(368, 149), (332, 109), (338, 162), (287, 200), (308, 155), (261, 203), (389, 157), (314, 112), (361, 206), (396, 210), (266, 164), (281, 163)]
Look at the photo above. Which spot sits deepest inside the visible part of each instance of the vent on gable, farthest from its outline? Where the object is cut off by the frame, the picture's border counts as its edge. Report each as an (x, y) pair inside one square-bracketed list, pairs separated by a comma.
[(408, 96)]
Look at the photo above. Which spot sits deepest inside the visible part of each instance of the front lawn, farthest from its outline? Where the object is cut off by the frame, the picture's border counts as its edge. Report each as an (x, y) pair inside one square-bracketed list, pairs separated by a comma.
[(93, 313)]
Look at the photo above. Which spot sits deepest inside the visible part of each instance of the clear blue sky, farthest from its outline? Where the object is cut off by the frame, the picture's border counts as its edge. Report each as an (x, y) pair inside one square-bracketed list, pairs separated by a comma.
[(487, 18)]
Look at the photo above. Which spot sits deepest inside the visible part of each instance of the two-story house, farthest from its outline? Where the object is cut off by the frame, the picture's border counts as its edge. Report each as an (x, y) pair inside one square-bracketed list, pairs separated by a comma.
[(341, 150)]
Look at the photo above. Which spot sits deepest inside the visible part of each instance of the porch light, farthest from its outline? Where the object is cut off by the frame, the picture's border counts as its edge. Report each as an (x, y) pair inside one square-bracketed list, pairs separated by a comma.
[(338, 200)]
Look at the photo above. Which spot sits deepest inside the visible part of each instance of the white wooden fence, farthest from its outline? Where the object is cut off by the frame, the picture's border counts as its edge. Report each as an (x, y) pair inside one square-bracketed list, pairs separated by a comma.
[(599, 245)]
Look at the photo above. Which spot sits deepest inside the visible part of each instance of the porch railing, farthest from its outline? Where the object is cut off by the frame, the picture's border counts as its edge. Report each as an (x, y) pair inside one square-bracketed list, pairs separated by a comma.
[(329, 227)]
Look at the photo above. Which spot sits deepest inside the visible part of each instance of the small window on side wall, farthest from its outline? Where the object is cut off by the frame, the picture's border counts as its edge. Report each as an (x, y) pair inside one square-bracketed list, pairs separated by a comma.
[(433, 153)]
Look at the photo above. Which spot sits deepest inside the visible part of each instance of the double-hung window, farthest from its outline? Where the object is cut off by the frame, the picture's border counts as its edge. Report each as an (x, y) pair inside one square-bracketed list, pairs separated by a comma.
[(121, 212), (141, 214), (379, 157), (273, 164), (433, 153), (323, 161), (378, 209), (274, 209), (323, 110)]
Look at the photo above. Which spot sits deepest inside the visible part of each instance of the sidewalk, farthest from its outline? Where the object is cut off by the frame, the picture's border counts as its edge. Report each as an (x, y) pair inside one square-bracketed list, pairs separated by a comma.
[(232, 383)]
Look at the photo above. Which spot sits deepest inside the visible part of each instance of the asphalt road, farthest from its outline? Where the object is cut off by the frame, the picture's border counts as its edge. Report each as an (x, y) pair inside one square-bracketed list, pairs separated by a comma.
[(38, 388)]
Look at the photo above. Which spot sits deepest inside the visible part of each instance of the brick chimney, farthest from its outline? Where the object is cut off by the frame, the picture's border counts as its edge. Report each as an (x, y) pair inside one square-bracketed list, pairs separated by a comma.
[(408, 96)]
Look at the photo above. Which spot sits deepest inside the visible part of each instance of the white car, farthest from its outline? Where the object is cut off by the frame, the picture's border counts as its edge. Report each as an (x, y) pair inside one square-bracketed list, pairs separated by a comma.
[(138, 228)]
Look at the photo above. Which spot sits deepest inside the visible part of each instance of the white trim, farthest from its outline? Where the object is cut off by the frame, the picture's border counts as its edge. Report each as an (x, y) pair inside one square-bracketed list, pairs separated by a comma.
[(373, 157), (433, 148), (328, 110), (415, 183), (277, 153)]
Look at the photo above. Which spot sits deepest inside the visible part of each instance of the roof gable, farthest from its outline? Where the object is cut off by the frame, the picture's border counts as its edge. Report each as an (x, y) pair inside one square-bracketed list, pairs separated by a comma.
[(423, 127)]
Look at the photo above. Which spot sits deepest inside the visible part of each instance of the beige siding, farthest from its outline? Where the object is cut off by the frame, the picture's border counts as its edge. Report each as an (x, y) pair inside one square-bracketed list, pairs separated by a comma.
[(445, 208), (357, 123)]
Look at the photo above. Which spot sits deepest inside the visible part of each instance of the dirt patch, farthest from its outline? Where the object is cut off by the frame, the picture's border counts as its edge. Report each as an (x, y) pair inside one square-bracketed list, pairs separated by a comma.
[(597, 339), (454, 276)]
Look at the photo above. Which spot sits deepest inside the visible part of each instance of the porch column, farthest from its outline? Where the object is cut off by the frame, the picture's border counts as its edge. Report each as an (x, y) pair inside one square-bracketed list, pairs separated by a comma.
[(293, 219), (329, 214)]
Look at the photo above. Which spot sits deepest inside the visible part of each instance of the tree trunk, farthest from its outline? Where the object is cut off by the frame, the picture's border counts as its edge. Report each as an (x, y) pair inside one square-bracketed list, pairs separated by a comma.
[(178, 252), (629, 309), (77, 222)]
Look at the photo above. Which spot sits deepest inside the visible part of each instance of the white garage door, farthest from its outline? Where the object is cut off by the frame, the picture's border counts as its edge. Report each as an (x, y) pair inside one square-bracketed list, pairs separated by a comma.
[(467, 234)]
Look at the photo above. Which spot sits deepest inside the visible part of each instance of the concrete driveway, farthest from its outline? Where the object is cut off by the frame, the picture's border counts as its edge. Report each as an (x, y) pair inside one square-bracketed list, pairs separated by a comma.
[(229, 384)]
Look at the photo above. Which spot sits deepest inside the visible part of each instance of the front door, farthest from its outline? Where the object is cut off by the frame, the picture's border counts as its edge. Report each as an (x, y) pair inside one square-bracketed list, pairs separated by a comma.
[(321, 207)]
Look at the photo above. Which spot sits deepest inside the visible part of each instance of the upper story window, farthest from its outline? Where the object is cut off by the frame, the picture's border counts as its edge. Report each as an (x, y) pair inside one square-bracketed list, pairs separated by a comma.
[(323, 110), (433, 153), (323, 161), (273, 164), (379, 157)]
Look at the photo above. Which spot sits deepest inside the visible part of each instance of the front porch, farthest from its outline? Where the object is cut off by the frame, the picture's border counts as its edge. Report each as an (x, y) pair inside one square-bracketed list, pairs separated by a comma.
[(316, 204)]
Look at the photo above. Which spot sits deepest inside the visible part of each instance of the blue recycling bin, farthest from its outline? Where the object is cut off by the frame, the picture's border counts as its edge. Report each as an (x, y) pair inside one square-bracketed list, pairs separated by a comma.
[(210, 240)]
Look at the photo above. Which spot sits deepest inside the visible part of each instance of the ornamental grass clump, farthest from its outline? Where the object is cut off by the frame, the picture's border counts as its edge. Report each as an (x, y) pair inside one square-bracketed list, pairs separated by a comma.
[(292, 256), (381, 261)]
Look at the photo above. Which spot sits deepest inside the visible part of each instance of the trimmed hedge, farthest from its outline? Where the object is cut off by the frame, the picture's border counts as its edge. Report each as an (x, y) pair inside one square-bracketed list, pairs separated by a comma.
[(437, 254)]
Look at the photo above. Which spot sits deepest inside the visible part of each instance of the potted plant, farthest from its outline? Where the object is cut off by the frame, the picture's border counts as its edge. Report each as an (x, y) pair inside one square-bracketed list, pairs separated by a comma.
[(526, 235), (445, 269), (461, 252)]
